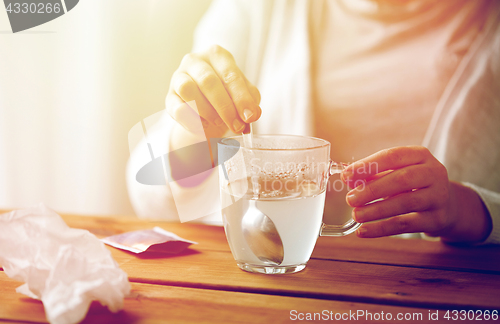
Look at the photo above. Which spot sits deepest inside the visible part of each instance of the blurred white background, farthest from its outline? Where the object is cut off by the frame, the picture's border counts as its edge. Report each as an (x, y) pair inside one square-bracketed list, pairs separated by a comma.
[(71, 89)]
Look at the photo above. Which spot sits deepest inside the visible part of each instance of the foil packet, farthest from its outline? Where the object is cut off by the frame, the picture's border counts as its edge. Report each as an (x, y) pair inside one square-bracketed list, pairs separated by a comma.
[(150, 240)]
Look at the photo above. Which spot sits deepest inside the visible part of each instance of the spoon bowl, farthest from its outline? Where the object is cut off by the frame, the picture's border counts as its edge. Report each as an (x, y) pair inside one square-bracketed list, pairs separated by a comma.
[(262, 236)]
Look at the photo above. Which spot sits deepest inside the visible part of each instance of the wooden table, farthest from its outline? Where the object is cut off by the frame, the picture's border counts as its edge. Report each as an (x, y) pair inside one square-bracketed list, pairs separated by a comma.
[(345, 276)]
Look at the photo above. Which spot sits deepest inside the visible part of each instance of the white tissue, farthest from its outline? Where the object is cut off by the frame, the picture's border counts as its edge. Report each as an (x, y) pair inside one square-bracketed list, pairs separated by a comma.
[(63, 267)]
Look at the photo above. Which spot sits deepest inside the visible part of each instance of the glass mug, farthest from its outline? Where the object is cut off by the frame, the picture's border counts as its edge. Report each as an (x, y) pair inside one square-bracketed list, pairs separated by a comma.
[(273, 196)]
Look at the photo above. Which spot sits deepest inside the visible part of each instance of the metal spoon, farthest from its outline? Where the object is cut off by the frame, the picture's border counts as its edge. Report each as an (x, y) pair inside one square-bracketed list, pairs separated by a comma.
[(258, 229), (262, 236)]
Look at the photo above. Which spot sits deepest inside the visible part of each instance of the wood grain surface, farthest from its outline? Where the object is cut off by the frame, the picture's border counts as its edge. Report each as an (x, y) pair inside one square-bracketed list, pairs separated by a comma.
[(149, 303), (391, 251), (204, 284), (399, 277)]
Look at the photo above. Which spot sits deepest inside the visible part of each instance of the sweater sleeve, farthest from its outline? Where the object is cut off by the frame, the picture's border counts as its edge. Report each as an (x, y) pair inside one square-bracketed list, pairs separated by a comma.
[(491, 200), (467, 136), (226, 23)]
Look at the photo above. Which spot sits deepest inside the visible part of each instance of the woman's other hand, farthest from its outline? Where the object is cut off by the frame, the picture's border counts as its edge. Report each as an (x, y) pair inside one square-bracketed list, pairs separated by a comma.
[(407, 190)]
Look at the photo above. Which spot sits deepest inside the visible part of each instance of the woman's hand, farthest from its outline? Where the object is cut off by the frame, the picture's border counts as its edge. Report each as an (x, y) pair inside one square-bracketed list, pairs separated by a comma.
[(406, 190), (224, 97)]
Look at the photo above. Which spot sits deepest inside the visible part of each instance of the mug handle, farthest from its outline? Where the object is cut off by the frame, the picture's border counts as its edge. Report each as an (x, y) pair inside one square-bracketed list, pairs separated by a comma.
[(351, 225)]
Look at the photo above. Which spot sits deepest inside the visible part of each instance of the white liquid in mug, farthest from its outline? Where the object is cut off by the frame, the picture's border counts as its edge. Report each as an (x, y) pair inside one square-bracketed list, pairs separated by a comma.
[(297, 214)]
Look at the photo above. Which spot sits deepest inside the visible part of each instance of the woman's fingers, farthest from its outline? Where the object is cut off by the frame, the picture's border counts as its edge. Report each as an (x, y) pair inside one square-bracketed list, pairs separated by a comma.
[(186, 89), (428, 221), (389, 159), (211, 87), (401, 180), (222, 94), (186, 116), (254, 92), (399, 190), (235, 83), (408, 223), (411, 201)]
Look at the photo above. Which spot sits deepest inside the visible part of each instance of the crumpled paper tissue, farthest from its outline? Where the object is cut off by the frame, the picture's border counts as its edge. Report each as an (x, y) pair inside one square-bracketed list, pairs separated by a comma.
[(63, 267)]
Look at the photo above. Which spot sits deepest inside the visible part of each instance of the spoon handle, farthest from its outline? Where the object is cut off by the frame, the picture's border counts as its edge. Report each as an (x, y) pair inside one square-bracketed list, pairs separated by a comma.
[(248, 136)]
